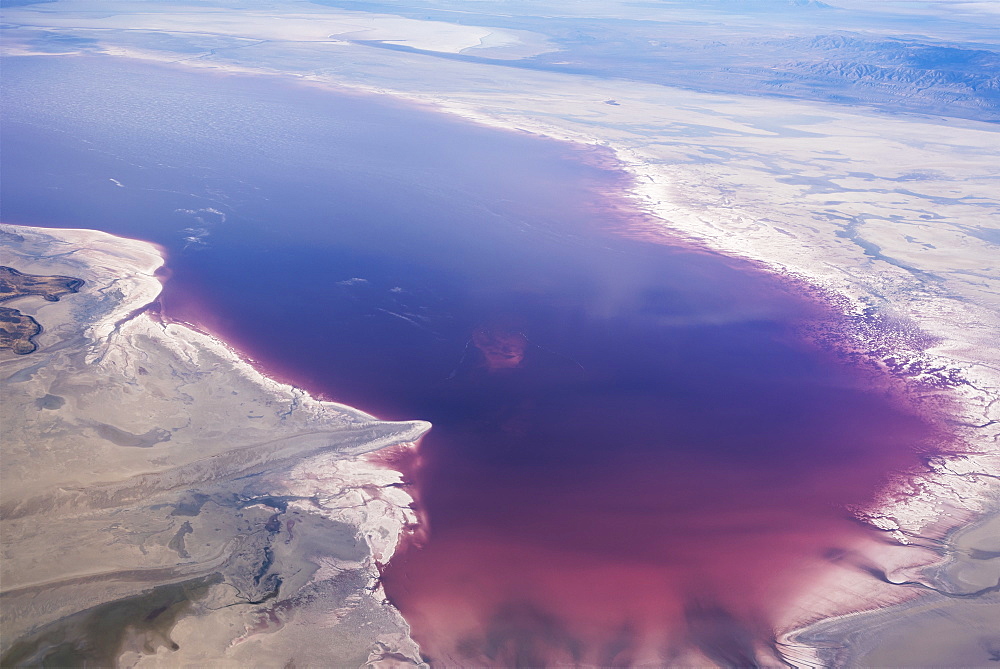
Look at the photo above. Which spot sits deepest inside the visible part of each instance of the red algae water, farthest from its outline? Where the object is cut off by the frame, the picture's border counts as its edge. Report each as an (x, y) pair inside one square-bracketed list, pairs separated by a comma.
[(669, 487), (635, 456)]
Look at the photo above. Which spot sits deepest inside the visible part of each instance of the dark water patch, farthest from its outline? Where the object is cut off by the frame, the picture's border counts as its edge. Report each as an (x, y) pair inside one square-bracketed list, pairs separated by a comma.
[(634, 451), (120, 437), (190, 504), (176, 542), (49, 401), (97, 636), (989, 235)]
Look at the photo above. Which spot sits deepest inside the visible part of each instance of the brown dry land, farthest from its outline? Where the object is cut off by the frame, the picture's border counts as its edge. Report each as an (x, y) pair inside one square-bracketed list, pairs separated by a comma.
[(15, 284), (17, 330)]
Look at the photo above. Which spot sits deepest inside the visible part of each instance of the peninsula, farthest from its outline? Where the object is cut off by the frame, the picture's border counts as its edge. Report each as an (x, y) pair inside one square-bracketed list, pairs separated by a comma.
[(162, 501)]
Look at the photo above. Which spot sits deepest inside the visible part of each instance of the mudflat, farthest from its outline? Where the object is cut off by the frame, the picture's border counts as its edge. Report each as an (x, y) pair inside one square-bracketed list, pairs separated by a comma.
[(162, 502)]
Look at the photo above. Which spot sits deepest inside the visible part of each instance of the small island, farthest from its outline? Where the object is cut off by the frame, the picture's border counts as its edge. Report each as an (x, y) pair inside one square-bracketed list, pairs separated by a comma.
[(18, 330)]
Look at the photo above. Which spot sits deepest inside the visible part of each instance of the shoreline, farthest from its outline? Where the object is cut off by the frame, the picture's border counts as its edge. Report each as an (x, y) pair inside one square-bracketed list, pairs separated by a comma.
[(898, 513), (314, 453), (829, 287), (929, 376), (942, 603)]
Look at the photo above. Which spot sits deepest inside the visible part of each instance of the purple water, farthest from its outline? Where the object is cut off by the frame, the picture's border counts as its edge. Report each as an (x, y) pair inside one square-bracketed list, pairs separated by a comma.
[(634, 450)]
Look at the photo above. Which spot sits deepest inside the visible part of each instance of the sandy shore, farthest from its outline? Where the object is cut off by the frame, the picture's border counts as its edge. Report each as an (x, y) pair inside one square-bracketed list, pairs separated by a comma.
[(152, 475)]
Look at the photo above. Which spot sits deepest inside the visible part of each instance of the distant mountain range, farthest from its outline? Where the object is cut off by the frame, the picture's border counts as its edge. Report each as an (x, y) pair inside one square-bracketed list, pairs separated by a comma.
[(802, 49), (896, 73)]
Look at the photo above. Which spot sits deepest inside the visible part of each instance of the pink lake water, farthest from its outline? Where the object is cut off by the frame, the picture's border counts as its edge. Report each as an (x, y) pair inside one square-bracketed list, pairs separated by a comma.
[(635, 451)]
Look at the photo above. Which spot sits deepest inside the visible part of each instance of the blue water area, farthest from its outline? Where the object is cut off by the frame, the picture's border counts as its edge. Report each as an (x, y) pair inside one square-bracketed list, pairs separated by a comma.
[(633, 447)]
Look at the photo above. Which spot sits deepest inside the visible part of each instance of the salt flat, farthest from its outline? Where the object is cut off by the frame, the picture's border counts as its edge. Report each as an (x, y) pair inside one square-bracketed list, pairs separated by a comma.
[(226, 506), (275, 23)]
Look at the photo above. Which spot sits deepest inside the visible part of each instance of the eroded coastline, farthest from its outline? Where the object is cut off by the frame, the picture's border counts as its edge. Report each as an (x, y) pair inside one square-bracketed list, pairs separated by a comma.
[(248, 523)]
